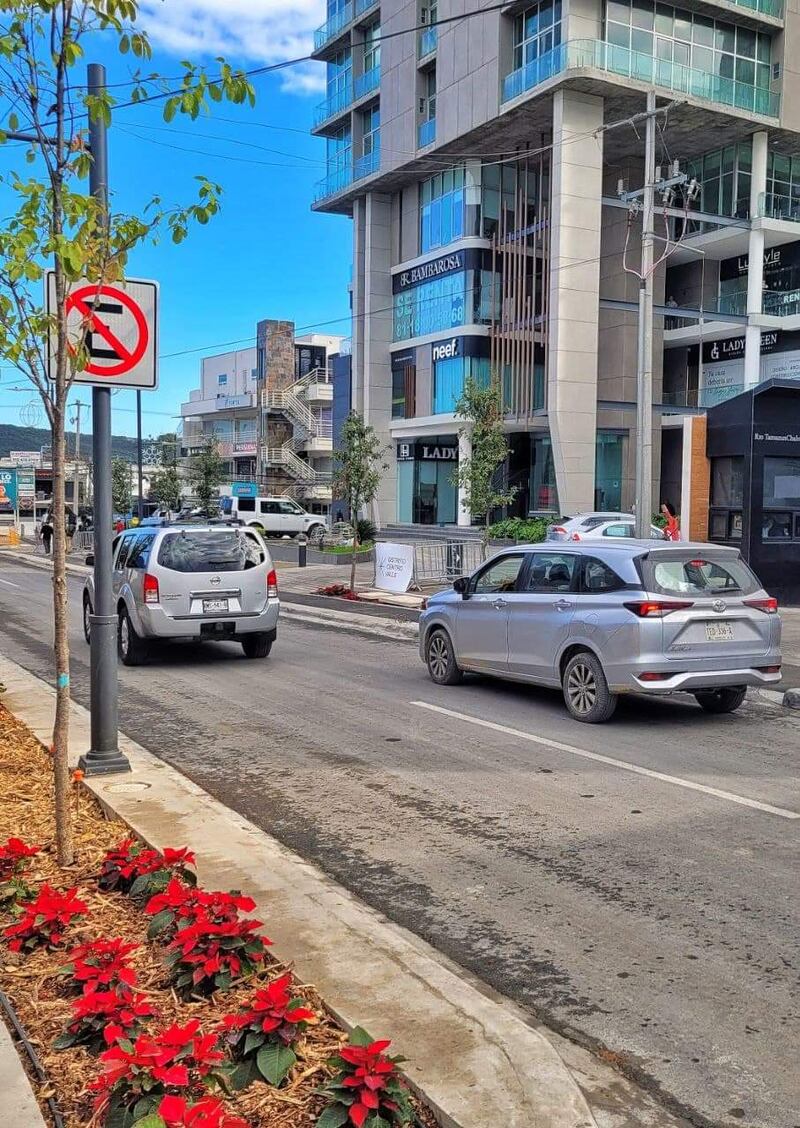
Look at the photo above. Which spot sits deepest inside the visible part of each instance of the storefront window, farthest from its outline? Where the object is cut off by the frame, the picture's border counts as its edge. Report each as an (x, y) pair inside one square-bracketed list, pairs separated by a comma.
[(727, 480), (608, 470), (543, 495), (450, 376), (405, 492), (427, 493)]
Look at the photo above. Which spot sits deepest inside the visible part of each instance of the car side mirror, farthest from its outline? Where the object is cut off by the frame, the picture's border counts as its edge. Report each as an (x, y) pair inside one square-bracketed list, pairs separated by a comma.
[(461, 585), (90, 560)]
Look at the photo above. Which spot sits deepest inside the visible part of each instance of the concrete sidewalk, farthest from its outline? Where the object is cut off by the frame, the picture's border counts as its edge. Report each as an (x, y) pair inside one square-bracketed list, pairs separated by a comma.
[(476, 1059)]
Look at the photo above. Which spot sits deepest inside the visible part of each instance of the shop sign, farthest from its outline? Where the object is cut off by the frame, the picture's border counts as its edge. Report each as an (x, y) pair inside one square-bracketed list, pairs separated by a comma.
[(437, 267), (248, 447), (26, 484), (446, 350), (244, 489), (26, 457), (394, 566), (225, 403), (775, 258), (8, 491), (427, 452), (768, 437)]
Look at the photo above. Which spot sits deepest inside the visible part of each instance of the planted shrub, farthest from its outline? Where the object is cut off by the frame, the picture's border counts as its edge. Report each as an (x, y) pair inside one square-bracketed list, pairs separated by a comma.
[(262, 1034), (101, 1018), (14, 860), (99, 965), (367, 1090), (207, 956), (180, 903), (209, 1112), (135, 869), (530, 530), (44, 919)]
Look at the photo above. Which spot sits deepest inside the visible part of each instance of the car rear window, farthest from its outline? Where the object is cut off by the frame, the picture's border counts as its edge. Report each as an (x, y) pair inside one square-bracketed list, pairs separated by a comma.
[(698, 574), (209, 552)]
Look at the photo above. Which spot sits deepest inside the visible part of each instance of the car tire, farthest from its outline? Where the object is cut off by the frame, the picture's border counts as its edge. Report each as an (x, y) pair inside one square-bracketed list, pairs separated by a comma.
[(441, 659), (316, 533), (87, 626), (725, 700), (256, 645), (131, 648), (586, 693)]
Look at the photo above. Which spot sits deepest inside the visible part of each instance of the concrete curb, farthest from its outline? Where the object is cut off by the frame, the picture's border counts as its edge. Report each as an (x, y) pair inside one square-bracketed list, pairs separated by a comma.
[(475, 1061), (19, 1101)]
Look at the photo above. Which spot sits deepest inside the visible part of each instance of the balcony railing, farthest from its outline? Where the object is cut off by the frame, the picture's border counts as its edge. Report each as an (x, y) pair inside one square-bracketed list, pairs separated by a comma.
[(427, 41), (774, 303), (336, 24), (608, 57), (337, 103), (367, 164), (341, 178), (426, 133), (773, 205), (765, 7), (367, 82)]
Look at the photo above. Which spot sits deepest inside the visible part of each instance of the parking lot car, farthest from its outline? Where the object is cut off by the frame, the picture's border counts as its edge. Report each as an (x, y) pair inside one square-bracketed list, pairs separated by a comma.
[(276, 516), (606, 617), (617, 528), (566, 527), (210, 582)]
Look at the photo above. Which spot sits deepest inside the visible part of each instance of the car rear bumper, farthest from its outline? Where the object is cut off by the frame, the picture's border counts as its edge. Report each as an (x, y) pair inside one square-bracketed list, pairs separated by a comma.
[(155, 623), (693, 681)]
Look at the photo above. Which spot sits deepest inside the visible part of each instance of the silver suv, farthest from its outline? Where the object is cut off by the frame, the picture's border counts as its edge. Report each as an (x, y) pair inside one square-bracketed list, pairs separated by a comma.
[(202, 581), (599, 619)]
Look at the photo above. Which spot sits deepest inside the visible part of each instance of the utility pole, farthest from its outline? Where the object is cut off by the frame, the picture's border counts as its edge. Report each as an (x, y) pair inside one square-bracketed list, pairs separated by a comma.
[(644, 374), (104, 755), (140, 505)]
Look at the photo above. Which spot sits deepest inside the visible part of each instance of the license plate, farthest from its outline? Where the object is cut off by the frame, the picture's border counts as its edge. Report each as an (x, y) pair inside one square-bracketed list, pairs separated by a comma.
[(719, 632), (215, 606)]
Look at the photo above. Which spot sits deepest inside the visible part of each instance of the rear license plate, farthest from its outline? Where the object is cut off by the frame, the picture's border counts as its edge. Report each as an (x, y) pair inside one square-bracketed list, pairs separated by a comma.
[(719, 632), (215, 607)]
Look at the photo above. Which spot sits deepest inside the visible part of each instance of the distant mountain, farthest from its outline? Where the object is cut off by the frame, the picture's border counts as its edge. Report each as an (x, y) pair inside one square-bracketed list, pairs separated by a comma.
[(34, 438)]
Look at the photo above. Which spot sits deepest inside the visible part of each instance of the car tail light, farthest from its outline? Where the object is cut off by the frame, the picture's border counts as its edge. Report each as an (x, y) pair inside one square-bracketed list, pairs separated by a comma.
[(150, 588), (272, 585), (653, 676), (651, 609), (768, 669), (769, 606), (575, 537), (558, 529)]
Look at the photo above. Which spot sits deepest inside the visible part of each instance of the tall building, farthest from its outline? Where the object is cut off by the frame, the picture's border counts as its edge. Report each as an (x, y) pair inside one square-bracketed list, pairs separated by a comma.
[(480, 152), (270, 407)]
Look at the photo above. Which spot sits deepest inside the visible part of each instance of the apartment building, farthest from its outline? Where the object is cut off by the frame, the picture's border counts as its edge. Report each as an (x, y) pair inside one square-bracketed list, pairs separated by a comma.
[(480, 159), (270, 407)]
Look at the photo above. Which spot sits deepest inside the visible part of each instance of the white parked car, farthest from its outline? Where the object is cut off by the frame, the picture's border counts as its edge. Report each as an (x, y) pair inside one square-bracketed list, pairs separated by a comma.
[(275, 516), (582, 523), (624, 528)]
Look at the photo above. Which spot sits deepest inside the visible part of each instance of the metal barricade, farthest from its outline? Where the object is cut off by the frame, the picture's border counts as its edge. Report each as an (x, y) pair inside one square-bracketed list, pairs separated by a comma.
[(83, 541), (443, 561)]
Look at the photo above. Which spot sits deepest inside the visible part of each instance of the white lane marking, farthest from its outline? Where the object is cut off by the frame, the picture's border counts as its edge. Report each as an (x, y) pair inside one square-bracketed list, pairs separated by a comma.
[(624, 764), (8, 583)]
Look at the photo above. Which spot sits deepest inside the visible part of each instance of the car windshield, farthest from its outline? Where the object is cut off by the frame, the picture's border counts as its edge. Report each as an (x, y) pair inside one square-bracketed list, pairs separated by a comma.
[(209, 552), (698, 575)]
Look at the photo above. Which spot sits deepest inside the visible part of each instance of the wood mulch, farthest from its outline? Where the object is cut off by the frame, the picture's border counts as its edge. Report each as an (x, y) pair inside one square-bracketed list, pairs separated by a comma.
[(26, 811)]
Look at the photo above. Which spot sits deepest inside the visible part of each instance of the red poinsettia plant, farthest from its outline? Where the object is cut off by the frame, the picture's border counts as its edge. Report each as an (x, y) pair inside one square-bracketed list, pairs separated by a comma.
[(179, 1061), (207, 956), (175, 1112), (101, 1018), (100, 965), (262, 1033), (14, 859), (180, 904), (367, 1090), (44, 919), (135, 869)]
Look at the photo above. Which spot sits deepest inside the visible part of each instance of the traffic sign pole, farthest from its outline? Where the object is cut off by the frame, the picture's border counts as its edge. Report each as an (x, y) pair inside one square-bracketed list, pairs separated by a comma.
[(104, 755)]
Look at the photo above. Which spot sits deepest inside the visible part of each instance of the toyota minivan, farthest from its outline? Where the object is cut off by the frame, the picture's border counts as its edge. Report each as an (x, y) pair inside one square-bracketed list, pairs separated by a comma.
[(601, 618)]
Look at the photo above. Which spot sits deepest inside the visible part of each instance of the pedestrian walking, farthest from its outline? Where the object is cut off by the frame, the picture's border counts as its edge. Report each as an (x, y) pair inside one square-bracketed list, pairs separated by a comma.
[(672, 530), (47, 532)]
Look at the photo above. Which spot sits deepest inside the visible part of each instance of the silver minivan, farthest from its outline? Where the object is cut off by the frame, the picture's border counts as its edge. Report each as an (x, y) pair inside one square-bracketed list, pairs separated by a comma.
[(598, 619), (211, 582)]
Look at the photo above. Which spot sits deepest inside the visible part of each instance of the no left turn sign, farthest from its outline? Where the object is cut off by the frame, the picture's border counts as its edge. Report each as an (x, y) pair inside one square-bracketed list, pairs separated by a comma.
[(119, 326)]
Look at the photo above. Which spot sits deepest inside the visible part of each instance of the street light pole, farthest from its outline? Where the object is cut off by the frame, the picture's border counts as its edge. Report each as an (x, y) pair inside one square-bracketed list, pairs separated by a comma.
[(104, 755), (140, 505), (644, 375)]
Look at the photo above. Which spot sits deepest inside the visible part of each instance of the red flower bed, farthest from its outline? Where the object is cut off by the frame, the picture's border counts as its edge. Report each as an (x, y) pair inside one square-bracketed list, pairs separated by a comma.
[(180, 904), (133, 868), (99, 965), (339, 591), (367, 1089), (14, 858), (209, 1112), (261, 1035), (206, 956), (44, 919), (101, 1018)]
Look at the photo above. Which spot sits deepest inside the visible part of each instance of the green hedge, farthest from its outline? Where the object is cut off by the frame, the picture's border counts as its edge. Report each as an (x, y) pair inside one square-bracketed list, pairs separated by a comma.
[(527, 531)]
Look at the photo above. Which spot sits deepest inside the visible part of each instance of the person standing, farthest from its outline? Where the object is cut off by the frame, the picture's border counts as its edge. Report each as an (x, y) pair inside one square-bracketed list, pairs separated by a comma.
[(47, 532), (672, 530)]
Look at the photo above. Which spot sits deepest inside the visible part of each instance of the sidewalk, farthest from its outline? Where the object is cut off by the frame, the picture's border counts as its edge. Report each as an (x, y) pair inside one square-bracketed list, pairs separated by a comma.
[(475, 1058)]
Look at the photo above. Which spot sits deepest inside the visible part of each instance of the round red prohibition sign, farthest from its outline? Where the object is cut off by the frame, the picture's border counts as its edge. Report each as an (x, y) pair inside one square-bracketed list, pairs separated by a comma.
[(83, 301)]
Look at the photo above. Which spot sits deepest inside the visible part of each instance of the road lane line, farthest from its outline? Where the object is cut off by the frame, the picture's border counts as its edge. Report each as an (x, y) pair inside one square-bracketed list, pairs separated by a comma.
[(8, 583), (624, 764)]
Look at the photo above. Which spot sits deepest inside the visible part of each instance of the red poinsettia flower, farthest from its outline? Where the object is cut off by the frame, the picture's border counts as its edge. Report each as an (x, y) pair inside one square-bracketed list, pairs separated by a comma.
[(206, 1113), (101, 964), (13, 855), (44, 919)]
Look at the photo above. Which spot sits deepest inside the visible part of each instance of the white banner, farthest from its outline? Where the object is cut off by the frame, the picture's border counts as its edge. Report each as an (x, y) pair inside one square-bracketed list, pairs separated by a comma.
[(394, 566)]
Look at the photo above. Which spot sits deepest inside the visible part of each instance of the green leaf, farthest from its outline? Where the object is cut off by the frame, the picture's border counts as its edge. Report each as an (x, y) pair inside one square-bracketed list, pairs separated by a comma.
[(377, 1121), (146, 1105), (253, 1039), (13, 122), (243, 1075), (359, 1037), (333, 1117), (159, 922), (274, 1062), (151, 1121), (64, 1041)]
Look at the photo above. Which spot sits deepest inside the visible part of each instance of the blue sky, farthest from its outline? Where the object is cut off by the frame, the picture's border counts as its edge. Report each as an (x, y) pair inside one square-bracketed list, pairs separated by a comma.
[(266, 254)]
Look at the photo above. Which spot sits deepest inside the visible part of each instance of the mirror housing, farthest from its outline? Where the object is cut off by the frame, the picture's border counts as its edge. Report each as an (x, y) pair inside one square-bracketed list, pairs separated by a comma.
[(90, 560), (461, 585)]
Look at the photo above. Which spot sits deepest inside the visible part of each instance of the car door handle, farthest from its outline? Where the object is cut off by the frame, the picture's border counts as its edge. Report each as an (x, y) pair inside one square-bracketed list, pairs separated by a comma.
[(562, 605), (499, 604)]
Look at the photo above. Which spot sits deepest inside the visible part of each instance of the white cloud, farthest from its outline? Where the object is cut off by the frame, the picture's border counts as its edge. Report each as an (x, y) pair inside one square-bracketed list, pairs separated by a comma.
[(246, 32)]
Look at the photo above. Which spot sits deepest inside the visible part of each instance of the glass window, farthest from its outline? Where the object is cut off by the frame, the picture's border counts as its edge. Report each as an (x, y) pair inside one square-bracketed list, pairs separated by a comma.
[(776, 525), (536, 31), (439, 305), (727, 481), (202, 552), (140, 551), (398, 393), (443, 208), (551, 571), (698, 576), (598, 577), (543, 494), (782, 482), (371, 127), (448, 383), (124, 551), (372, 46), (247, 505), (500, 575), (618, 531)]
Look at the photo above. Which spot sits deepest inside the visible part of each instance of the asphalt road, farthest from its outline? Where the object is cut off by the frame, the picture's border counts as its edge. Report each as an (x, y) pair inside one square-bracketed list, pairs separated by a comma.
[(651, 914)]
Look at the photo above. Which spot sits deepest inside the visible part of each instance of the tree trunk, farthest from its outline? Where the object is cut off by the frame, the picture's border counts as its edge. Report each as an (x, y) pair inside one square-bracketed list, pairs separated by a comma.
[(64, 841), (353, 561)]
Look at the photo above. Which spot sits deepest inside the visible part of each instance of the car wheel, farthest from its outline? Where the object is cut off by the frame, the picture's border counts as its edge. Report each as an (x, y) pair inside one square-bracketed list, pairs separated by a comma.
[(316, 533), (586, 692), (441, 659), (725, 700), (256, 645), (87, 626), (131, 648)]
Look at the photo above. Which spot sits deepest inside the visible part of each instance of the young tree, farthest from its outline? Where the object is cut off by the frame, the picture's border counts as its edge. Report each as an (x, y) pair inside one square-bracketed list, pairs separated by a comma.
[(121, 489), (361, 467), (206, 471), (165, 484), (481, 406), (55, 222)]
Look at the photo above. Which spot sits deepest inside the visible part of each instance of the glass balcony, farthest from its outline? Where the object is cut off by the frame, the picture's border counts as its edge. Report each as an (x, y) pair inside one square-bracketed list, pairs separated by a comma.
[(335, 181), (333, 26), (367, 82), (765, 7), (598, 54), (337, 103), (427, 41), (775, 303), (367, 164), (365, 5), (426, 133), (773, 205)]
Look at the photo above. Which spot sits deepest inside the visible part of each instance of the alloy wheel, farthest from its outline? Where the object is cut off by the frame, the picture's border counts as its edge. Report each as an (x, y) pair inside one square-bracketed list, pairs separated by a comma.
[(582, 688), (438, 656), (124, 635), (87, 625)]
